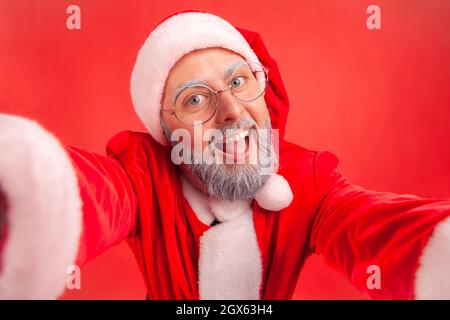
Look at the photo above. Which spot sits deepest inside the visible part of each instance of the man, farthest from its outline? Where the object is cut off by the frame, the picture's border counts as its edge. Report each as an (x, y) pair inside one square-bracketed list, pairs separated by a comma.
[(230, 213)]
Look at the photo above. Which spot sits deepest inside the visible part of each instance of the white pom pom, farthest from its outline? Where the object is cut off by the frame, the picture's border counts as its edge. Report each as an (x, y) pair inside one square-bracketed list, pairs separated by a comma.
[(275, 195)]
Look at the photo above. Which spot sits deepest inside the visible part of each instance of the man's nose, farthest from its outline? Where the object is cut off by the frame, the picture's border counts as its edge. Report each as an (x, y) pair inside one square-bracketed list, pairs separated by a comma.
[(229, 108)]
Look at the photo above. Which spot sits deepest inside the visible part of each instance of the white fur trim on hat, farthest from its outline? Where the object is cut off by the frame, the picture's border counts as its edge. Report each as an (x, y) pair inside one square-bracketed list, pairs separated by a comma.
[(167, 43), (43, 211)]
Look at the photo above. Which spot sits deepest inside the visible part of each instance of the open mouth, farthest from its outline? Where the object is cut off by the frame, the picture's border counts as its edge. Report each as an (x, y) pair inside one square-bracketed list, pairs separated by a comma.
[(236, 146)]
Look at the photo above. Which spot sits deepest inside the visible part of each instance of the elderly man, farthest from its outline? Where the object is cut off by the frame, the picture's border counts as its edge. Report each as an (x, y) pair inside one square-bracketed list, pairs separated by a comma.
[(214, 203)]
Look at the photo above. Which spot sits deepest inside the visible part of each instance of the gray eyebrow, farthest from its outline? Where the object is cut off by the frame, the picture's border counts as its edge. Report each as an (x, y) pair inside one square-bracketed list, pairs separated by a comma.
[(232, 68), (228, 72), (185, 85)]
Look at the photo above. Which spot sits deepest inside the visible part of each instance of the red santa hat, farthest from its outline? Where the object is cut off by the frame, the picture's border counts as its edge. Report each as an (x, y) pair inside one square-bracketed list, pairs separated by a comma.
[(173, 38)]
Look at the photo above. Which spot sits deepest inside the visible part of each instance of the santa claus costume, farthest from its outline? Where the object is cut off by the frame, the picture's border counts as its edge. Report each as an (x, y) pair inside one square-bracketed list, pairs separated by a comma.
[(88, 202)]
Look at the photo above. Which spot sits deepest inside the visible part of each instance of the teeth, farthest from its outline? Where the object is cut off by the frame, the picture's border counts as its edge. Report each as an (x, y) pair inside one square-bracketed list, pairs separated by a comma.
[(237, 137)]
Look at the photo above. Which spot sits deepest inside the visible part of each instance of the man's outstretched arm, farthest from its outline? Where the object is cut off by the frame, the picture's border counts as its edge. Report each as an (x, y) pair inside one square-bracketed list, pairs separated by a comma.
[(62, 206), (391, 246)]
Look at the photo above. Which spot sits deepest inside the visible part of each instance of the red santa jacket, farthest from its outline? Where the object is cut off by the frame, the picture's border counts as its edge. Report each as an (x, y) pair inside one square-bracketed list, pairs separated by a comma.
[(135, 194)]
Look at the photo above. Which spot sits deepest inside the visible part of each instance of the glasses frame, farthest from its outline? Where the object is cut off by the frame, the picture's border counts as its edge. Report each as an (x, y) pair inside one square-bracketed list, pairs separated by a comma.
[(215, 93)]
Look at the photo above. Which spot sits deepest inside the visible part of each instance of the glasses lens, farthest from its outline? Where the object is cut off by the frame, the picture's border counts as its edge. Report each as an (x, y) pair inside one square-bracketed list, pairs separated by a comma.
[(248, 82), (195, 104)]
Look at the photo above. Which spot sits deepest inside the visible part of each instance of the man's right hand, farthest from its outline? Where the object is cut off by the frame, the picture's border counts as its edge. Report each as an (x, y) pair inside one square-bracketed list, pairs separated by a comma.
[(39, 190)]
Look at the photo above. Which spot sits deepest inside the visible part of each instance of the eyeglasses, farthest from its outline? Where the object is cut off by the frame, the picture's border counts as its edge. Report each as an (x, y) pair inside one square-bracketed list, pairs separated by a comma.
[(197, 104)]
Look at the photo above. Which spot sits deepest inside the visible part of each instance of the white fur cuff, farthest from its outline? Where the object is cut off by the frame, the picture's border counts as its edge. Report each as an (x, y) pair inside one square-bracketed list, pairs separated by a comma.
[(432, 277), (44, 211)]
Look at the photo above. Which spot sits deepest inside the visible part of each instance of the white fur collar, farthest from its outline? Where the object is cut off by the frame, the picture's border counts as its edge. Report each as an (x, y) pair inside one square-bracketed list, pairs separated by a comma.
[(198, 201), (230, 265)]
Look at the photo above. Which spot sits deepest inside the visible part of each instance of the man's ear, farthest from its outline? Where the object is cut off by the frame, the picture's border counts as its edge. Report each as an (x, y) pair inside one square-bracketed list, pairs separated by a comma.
[(164, 93), (165, 128), (163, 98)]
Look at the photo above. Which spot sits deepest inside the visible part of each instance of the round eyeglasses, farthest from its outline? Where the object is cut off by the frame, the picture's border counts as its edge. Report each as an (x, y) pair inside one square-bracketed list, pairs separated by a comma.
[(197, 104)]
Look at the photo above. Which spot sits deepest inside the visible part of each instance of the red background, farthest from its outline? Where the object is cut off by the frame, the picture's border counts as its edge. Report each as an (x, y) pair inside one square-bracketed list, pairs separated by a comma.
[(379, 99)]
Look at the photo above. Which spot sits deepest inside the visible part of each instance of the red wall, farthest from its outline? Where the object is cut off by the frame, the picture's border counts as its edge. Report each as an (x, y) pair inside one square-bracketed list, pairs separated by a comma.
[(379, 99)]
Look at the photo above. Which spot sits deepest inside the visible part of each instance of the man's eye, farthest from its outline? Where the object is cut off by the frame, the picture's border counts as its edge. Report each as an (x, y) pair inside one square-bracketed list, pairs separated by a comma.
[(195, 100), (237, 82)]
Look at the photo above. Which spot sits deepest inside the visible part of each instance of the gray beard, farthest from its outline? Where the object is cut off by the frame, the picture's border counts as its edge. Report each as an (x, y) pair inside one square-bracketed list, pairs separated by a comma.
[(235, 181)]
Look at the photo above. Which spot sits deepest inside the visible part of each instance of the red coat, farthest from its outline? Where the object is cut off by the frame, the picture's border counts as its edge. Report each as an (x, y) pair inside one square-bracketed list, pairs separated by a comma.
[(134, 193)]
